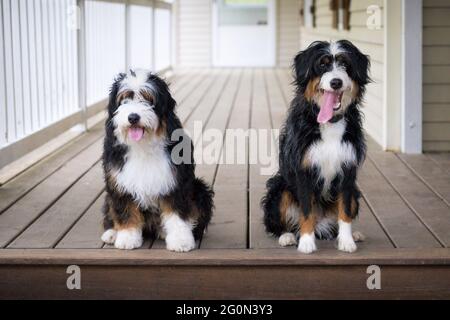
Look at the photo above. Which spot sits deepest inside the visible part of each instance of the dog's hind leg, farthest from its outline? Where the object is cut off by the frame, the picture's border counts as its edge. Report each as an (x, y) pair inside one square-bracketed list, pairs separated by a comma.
[(280, 212), (110, 234), (123, 222), (203, 202)]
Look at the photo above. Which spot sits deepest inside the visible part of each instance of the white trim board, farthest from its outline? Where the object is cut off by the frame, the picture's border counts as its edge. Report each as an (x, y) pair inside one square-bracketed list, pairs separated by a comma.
[(412, 69), (402, 112)]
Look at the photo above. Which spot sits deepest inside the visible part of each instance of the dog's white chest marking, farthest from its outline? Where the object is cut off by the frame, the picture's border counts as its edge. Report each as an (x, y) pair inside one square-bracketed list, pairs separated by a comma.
[(330, 153), (147, 173)]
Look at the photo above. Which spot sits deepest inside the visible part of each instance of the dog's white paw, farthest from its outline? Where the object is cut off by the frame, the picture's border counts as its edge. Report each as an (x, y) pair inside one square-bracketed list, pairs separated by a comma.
[(182, 241), (109, 236), (129, 239), (287, 239), (347, 244), (307, 244), (358, 236)]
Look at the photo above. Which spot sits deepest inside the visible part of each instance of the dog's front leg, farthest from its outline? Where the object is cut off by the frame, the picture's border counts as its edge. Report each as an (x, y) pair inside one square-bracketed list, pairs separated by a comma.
[(307, 243), (178, 232), (308, 220), (128, 226), (347, 210)]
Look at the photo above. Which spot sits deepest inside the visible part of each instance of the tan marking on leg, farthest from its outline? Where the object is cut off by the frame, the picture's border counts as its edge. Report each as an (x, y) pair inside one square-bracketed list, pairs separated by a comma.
[(342, 215), (308, 225), (285, 203), (135, 220), (166, 207)]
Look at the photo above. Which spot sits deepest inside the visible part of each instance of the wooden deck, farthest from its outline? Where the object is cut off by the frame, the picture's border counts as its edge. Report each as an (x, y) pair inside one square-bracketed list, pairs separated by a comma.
[(50, 219)]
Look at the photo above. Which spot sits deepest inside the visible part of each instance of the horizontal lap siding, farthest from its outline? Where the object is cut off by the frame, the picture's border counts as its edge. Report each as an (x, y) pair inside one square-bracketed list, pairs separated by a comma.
[(288, 33), (436, 75), (195, 33), (370, 42)]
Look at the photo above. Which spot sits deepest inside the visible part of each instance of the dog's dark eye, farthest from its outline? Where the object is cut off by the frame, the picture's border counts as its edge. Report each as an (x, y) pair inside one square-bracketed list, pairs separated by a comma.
[(342, 62), (325, 63)]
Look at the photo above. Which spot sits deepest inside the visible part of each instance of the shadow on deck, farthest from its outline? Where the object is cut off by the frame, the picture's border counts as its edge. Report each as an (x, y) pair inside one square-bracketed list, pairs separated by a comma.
[(50, 219)]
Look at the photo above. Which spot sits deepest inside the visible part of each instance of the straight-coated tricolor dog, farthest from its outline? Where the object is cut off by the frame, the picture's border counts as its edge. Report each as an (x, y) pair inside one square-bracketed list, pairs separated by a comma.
[(148, 193), (322, 145)]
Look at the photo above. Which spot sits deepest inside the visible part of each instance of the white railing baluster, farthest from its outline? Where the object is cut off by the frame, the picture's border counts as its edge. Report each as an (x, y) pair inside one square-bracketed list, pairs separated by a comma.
[(41, 105), (81, 61), (25, 67), (3, 112), (46, 62), (9, 71), (32, 56), (17, 65)]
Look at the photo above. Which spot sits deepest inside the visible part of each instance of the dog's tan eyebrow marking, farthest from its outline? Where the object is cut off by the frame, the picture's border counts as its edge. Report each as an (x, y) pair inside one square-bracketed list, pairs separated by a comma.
[(147, 96), (127, 94)]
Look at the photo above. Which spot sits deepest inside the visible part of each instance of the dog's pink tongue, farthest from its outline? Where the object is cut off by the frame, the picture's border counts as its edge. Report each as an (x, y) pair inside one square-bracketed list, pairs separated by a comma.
[(329, 101), (136, 134)]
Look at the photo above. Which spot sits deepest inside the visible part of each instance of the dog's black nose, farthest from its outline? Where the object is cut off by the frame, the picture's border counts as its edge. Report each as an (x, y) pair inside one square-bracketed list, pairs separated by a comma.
[(134, 118), (336, 84)]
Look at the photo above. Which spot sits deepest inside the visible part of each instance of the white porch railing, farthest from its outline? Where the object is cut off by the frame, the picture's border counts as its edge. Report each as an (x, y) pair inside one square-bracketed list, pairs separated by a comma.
[(59, 57)]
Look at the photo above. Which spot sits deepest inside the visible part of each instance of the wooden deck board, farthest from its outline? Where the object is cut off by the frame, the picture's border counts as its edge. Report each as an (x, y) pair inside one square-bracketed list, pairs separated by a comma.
[(434, 177), (52, 211), (431, 210), (183, 89), (63, 213), (197, 93), (260, 172), (18, 187), (19, 216), (217, 120), (228, 227), (441, 159), (396, 217), (87, 231)]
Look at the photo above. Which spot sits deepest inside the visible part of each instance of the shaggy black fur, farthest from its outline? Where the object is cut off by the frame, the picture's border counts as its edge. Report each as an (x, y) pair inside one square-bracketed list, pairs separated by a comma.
[(301, 130)]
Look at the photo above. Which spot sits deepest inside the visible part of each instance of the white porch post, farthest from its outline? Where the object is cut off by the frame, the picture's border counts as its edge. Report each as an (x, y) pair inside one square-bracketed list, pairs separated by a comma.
[(402, 116), (412, 74)]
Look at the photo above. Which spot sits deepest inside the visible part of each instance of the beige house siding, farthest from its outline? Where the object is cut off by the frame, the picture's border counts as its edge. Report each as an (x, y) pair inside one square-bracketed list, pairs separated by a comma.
[(194, 33), (436, 75), (288, 33), (370, 42)]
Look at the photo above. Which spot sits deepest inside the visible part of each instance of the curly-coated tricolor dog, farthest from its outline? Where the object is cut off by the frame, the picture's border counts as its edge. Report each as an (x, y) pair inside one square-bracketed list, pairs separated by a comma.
[(148, 193), (322, 145)]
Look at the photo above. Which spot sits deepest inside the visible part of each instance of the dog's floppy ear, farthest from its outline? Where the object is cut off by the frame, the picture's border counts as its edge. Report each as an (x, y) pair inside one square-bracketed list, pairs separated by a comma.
[(112, 104), (164, 103), (361, 62), (304, 63)]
